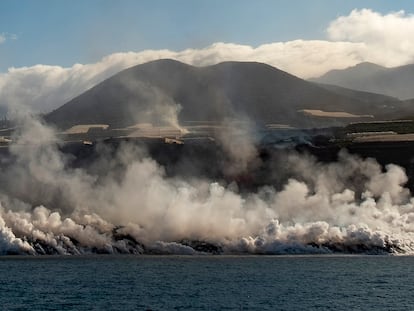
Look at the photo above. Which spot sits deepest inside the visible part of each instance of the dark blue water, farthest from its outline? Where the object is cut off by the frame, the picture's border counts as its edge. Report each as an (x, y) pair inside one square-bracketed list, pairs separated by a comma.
[(207, 283)]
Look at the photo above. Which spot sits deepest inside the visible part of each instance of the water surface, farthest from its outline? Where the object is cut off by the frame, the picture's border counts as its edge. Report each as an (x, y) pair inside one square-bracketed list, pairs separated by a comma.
[(207, 283)]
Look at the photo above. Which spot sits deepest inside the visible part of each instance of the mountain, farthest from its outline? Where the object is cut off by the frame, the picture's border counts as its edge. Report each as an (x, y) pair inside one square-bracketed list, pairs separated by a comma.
[(378, 99), (156, 91), (395, 82)]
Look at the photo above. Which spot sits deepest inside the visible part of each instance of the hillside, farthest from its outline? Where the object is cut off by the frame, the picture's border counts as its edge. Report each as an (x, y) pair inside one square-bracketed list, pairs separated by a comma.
[(395, 82), (154, 91), (367, 97)]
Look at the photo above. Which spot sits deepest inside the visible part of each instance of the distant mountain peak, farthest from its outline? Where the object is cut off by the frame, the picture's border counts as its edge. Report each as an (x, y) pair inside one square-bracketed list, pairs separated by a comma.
[(370, 77), (368, 65), (362, 68)]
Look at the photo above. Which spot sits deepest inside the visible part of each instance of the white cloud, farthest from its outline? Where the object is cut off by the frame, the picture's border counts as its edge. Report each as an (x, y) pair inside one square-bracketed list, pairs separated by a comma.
[(387, 37), (44, 88), (7, 36), (363, 35)]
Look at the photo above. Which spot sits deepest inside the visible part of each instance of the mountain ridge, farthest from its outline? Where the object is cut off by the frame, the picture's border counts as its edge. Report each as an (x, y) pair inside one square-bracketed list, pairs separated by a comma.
[(369, 77), (158, 90)]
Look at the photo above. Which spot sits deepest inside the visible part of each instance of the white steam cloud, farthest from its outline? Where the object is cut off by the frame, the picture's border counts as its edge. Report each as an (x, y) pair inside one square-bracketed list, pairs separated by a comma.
[(124, 202), (48, 207), (363, 35)]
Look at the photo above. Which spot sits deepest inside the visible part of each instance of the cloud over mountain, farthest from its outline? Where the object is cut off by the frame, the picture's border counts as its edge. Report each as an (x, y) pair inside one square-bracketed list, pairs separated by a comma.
[(363, 35), (388, 38)]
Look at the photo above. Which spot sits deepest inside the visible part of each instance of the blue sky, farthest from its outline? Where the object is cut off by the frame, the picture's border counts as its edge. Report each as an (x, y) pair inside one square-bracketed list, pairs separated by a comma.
[(61, 32)]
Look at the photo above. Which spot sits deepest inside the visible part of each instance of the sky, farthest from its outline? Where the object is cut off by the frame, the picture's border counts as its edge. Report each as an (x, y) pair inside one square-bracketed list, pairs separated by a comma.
[(60, 32), (52, 50)]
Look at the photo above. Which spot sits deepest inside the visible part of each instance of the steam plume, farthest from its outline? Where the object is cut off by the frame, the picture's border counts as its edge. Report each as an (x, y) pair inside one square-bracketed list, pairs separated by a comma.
[(128, 204)]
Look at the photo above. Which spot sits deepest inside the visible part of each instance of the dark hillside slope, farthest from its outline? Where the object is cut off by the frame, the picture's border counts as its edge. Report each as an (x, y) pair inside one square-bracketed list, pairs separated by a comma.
[(367, 97), (396, 82), (151, 92)]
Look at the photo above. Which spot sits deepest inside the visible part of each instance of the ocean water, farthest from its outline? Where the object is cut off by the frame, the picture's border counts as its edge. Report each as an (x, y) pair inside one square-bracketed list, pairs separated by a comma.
[(207, 283)]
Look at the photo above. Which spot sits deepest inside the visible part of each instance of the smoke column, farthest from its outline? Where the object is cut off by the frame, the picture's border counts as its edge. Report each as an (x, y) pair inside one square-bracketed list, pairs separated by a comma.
[(126, 203)]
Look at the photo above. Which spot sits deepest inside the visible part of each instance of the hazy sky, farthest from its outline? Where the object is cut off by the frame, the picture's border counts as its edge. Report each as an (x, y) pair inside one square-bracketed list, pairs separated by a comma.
[(61, 32)]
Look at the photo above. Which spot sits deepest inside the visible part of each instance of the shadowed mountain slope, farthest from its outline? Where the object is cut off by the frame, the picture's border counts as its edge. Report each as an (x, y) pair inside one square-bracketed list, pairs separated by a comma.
[(396, 82), (156, 91)]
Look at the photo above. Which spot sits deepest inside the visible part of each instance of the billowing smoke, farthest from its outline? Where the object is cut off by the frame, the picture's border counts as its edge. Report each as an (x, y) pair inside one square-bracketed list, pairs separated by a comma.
[(125, 202), (154, 106), (238, 140)]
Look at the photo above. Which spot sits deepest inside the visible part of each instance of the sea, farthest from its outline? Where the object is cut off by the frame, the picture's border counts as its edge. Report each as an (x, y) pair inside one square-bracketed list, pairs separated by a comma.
[(112, 282)]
